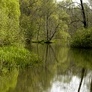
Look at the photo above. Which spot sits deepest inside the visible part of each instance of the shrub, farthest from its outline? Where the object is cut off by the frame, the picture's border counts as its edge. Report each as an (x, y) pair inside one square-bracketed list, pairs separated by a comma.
[(82, 38), (17, 56)]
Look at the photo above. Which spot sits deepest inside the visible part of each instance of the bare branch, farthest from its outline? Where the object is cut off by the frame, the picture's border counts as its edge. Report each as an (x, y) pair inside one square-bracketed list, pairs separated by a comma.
[(54, 31)]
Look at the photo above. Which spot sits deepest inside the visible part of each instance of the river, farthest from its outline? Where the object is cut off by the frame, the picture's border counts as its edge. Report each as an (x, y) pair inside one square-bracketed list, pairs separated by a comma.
[(62, 69)]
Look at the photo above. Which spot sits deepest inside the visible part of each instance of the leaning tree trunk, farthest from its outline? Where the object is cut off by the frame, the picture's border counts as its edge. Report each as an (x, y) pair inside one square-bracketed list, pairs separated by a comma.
[(83, 15)]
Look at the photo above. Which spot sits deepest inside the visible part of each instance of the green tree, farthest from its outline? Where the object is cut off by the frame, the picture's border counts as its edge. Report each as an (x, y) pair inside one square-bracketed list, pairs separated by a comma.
[(41, 20), (9, 21), (28, 19)]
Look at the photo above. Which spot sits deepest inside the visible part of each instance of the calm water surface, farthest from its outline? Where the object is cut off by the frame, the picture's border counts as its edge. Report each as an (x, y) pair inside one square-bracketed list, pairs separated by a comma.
[(62, 70)]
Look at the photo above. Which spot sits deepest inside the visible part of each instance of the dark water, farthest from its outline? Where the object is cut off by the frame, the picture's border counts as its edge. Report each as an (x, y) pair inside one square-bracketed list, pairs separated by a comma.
[(62, 70)]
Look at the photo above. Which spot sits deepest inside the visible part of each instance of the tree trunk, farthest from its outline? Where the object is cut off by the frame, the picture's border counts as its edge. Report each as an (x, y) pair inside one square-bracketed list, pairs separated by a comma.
[(84, 15), (46, 27)]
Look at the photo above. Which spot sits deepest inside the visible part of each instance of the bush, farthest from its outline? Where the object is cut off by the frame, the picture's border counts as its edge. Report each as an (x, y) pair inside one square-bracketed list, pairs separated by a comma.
[(82, 38), (17, 56)]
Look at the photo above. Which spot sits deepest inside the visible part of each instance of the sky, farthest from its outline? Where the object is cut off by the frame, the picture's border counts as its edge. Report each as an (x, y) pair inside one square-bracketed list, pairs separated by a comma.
[(75, 0)]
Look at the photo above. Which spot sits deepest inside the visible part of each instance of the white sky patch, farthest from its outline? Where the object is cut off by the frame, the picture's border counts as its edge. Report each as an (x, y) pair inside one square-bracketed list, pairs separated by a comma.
[(74, 1)]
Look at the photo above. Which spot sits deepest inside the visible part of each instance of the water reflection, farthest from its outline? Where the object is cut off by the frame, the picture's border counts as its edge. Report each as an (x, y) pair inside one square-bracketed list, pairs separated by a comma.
[(8, 79), (62, 70)]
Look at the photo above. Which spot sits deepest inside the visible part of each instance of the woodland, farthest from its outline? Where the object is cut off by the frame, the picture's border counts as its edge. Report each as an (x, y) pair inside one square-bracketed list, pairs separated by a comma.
[(45, 42), (23, 22)]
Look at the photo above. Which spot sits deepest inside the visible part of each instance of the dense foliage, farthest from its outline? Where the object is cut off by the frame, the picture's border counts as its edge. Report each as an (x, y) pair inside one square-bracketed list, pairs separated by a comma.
[(41, 20), (10, 35), (82, 38), (16, 56), (9, 21)]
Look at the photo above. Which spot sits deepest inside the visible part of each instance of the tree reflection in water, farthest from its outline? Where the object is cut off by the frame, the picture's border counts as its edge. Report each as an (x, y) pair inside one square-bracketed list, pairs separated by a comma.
[(82, 77), (62, 70)]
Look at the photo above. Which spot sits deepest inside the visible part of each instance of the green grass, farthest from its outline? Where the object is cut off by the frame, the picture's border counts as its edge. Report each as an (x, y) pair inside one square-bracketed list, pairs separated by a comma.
[(17, 56)]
